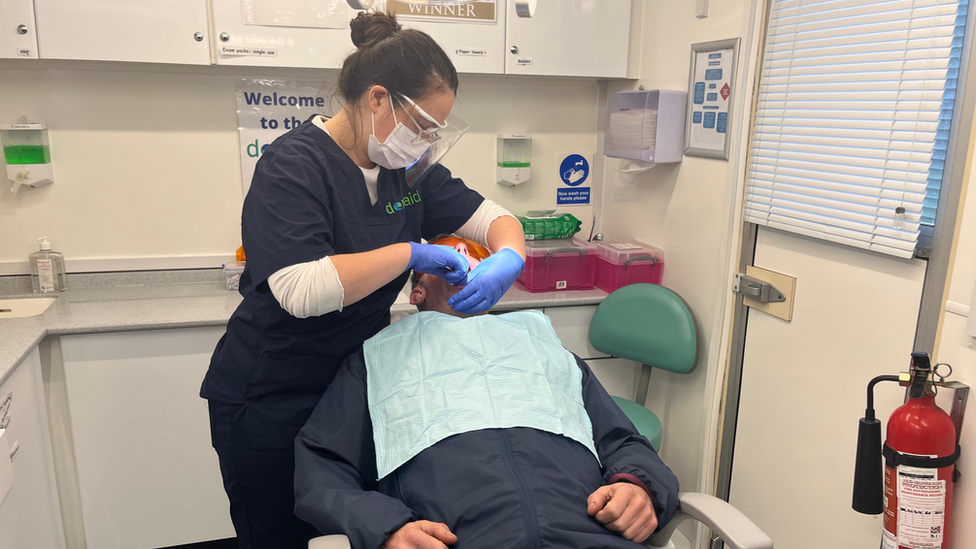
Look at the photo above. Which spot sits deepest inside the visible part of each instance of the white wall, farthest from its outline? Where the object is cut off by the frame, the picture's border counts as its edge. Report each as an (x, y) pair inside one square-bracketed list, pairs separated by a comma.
[(688, 209), (959, 349), (146, 157)]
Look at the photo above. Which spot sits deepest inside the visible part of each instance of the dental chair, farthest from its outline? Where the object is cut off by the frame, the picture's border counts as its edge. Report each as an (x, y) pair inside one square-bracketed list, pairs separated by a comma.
[(651, 325)]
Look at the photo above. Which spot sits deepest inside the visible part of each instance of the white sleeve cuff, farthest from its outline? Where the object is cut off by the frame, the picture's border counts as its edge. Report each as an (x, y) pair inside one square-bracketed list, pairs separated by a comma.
[(308, 289), (476, 228)]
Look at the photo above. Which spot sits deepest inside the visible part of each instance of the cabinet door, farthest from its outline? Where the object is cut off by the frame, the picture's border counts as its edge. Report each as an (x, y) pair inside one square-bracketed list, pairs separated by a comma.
[(153, 31), (255, 38), (474, 47), (570, 38), (617, 375), (17, 36), (29, 514), (572, 325), (148, 475)]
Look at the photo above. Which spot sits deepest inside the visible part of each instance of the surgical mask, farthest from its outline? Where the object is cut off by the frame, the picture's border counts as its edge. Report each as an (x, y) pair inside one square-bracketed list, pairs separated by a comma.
[(403, 147)]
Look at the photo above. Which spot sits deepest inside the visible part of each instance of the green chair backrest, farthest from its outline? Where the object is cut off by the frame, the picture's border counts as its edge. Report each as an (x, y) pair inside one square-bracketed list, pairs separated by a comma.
[(647, 323)]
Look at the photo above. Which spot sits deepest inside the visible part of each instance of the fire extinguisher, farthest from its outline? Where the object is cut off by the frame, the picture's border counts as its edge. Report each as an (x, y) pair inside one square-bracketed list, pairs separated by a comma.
[(914, 487)]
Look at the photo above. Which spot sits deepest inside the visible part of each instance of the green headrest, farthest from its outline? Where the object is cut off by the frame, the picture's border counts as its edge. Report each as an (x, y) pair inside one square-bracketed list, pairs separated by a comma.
[(649, 324)]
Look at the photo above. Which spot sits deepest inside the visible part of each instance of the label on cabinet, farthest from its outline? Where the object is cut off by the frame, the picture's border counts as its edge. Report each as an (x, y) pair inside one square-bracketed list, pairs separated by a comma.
[(242, 51), (479, 11), (472, 52), (523, 61), (24, 52)]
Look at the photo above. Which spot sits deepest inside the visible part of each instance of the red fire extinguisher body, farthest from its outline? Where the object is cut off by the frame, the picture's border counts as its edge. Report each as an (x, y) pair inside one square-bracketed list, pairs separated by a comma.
[(918, 500)]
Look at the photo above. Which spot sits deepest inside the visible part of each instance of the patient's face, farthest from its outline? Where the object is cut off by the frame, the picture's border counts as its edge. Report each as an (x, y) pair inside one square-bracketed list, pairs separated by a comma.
[(432, 292)]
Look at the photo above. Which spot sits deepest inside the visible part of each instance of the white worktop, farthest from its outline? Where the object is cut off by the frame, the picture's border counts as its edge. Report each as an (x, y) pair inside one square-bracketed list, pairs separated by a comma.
[(181, 305)]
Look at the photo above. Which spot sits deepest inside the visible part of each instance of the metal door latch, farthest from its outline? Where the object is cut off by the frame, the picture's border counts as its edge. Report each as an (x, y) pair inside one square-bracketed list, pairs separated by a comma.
[(757, 289)]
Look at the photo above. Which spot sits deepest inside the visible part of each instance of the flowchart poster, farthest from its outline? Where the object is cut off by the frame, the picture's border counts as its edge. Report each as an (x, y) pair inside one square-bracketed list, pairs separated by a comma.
[(710, 99), (267, 108)]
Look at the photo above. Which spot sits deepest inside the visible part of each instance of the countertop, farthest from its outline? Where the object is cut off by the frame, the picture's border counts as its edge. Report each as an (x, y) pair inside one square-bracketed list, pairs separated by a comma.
[(89, 310)]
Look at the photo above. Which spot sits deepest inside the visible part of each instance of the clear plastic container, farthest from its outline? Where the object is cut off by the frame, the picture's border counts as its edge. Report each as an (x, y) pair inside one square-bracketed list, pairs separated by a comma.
[(556, 265), (25, 144), (620, 264), (646, 125), (232, 274)]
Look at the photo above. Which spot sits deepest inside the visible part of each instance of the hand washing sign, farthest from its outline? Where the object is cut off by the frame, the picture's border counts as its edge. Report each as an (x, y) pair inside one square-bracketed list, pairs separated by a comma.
[(574, 171), (268, 108)]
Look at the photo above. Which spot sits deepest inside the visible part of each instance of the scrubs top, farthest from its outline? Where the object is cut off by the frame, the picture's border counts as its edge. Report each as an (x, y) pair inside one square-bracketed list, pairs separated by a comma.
[(307, 200)]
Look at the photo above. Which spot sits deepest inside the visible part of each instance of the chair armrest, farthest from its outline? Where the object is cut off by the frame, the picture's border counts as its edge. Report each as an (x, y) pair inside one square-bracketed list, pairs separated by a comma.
[(337, 541), (735, 529)]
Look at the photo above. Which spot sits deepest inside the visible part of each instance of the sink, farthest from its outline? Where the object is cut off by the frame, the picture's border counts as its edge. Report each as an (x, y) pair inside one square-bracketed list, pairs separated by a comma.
[(19, 308)]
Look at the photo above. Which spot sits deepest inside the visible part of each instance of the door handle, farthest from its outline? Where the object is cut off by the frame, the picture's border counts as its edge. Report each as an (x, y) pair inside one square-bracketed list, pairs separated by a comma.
[(757, 289)]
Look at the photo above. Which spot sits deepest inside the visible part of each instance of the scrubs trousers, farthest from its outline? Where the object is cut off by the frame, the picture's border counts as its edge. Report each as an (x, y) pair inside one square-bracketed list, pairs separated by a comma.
[(260, 483)]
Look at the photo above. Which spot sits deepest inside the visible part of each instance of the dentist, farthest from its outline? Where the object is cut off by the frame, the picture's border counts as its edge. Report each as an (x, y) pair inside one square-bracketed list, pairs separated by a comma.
[(331, 226)]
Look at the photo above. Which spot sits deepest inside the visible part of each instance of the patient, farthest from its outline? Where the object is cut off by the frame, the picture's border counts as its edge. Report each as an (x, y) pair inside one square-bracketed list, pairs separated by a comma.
[(478, 432)]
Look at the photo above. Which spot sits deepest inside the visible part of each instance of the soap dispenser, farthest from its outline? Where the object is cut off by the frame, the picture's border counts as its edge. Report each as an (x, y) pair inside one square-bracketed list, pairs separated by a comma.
[(47, 269)]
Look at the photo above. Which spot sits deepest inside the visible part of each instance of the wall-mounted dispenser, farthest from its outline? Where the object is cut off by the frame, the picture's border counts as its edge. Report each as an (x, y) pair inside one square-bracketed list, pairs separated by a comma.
[(514, 159), (27, 152), (646, 126)]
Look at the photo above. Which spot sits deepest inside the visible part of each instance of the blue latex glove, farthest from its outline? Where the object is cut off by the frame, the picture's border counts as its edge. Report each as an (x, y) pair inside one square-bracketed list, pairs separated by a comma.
[(442, 261), (488, 282)]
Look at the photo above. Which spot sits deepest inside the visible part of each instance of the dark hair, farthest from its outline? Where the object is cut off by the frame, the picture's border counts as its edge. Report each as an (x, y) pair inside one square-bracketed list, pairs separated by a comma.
[(407, 62)]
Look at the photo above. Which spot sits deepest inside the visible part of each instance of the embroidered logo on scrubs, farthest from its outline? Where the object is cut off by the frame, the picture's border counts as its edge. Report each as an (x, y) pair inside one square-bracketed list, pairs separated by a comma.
[(407, 201)]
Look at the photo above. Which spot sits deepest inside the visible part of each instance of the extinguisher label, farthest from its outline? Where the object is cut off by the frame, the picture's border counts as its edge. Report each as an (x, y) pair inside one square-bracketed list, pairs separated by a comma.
[(921, 508), (889, 541)]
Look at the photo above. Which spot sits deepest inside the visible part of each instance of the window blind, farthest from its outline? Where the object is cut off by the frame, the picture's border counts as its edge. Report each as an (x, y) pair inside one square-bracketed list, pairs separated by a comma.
[(850, 123)]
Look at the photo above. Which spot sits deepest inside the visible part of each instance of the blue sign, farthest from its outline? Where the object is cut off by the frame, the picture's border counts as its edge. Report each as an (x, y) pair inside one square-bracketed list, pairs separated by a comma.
[(574, 170), (715, 55), (713, 86), (699, 93), (723, 122), (576, 195), (709, 122), (713, 74), (713, 97), (696, 117)]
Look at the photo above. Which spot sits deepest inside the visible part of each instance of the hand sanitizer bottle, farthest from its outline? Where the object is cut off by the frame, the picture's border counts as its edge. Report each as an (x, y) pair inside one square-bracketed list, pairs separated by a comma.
[(47, 269)]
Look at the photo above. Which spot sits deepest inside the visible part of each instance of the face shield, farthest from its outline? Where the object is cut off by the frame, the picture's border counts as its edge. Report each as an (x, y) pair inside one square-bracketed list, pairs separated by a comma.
[(440, 139)]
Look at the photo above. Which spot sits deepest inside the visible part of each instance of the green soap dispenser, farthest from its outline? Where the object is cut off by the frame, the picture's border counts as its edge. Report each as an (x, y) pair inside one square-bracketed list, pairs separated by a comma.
[(47, 269)]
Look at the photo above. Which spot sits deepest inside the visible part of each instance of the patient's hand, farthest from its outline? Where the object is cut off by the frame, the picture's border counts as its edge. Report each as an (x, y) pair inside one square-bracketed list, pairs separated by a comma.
[(624, 508), (422, 534)]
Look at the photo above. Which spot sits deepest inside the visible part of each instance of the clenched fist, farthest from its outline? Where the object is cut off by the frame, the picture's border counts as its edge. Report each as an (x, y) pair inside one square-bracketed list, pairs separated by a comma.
[(624, 508)]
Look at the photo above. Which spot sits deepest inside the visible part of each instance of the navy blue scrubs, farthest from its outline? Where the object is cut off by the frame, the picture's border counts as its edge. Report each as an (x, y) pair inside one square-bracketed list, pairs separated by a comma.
[(307, 200)]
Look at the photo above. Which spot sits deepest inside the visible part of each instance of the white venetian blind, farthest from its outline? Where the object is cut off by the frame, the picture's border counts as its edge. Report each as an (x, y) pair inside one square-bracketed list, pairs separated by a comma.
[(850, 97)]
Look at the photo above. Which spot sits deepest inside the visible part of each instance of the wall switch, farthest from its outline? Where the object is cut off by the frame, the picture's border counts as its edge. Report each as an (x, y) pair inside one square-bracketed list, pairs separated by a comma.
[(701, 9)]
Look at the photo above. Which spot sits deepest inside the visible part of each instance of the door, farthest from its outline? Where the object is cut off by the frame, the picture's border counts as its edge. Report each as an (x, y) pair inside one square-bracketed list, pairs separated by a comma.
[(151, 31), (803, 387), (254, 34), (17, 36), (570, 38), (29, 514), (147, 473)]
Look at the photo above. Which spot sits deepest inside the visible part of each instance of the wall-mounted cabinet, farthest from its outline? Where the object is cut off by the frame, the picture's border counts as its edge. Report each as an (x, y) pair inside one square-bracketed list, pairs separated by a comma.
[(260, 38), (570, 38), (584, 38), (150, 31), (18, 38), (476, 47)]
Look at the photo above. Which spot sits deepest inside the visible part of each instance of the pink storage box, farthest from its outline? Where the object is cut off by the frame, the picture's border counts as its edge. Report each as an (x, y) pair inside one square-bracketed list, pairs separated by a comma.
[(626, 263), (556, 265)]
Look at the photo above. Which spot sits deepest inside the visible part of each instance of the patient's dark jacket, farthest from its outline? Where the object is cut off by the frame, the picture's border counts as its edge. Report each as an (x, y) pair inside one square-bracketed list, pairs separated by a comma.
[(494, 488)]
